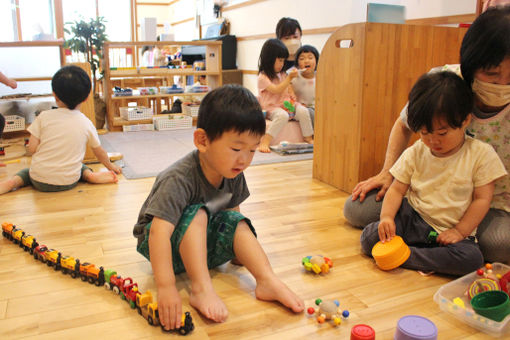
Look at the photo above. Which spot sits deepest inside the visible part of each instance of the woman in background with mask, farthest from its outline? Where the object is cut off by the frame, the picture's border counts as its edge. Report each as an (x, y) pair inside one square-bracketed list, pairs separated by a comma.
[(289, 32), (485, 66)]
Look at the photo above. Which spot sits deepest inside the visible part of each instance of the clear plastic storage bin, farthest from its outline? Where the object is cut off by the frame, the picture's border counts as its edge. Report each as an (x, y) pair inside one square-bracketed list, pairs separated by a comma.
[(458, 288)]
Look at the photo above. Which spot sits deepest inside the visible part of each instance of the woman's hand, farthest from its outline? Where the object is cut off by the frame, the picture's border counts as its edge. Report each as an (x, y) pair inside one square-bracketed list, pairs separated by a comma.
[(169, 307), (382, 180)]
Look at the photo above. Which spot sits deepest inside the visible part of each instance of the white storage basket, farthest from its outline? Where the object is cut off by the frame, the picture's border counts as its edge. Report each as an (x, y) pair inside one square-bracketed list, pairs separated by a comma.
[(190, 109), (173, 122), (136, 113), (14, 123)]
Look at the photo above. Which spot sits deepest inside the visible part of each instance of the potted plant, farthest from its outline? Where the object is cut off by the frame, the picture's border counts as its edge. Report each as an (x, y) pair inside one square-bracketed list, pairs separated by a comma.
[(88, 38)]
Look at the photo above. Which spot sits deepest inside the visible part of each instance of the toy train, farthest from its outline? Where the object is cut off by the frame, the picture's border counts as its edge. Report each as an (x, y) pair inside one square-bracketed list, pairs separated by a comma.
[(125, 287)]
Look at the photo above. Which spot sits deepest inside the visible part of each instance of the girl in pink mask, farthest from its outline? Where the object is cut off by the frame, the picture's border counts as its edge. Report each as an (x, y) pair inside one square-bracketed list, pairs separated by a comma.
[(289, 32), (485, 66)]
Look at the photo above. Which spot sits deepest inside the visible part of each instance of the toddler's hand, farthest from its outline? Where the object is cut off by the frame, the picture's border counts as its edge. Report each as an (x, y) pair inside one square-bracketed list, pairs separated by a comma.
[(169, 307), (386, 229), (449, 236), (293, 74)]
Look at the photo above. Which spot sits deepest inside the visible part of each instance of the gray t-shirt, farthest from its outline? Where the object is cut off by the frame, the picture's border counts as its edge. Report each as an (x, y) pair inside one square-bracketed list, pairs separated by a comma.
[(183, 184)]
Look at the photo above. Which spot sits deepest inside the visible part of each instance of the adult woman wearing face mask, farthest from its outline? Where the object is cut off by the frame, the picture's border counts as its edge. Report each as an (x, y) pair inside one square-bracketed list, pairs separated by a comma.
[(485, 66), (289, 32)]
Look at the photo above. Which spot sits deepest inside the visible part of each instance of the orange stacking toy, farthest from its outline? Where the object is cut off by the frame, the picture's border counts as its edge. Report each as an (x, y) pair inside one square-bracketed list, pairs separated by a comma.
[(391, 254)]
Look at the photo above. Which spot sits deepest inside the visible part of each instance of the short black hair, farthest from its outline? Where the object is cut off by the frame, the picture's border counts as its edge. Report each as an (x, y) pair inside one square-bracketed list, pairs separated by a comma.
[(439, 95), (71, 85), (486, 42), (287, 26), (271, 50), (230, 108), (308, 49)]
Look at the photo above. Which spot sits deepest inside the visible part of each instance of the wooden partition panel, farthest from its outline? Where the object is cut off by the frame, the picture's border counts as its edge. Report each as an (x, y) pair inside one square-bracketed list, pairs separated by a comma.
[(364, 76)]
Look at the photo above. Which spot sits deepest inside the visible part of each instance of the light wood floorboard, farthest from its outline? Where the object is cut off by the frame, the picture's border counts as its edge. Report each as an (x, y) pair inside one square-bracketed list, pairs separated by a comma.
[(294, 215)]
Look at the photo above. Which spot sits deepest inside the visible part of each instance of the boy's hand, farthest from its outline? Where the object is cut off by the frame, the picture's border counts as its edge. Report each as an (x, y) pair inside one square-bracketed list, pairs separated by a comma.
[(386, 229), (115, 168), (169, 307), (449, 236)]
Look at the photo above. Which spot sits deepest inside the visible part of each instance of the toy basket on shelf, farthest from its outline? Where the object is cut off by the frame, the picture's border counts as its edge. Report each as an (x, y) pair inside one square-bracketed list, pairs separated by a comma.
[(136, 113), (173, 122), (190, 109), (14, 123)]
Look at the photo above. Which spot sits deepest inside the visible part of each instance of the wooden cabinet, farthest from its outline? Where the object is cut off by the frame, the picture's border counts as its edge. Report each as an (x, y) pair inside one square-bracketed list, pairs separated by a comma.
[(364, 75), (154, 76)]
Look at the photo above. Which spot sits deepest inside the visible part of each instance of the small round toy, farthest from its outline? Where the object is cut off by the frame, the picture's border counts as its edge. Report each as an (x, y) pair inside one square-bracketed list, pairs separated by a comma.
[(317, 263), (328, 310)]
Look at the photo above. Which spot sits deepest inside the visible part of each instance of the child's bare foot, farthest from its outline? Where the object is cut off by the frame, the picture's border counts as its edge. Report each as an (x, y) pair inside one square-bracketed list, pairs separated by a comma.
[(10, 184), (309, 139), (272, 289), (264, 143), (209, 304), (102, 177)]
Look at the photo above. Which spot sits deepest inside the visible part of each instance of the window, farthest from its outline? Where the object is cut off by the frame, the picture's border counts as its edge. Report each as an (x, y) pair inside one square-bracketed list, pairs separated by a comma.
[(8, 29), (37, 19)]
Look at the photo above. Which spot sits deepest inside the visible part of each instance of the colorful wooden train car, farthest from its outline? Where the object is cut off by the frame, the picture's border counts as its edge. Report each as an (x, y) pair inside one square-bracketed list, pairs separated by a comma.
[(125, 287)]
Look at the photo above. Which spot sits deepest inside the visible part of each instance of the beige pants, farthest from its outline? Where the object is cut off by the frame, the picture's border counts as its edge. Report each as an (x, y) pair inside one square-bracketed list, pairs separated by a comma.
[(280, 117)]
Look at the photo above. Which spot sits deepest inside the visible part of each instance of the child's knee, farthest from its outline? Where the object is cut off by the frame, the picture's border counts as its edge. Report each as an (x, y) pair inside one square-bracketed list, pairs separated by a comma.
[(369, 237), (200, 217)]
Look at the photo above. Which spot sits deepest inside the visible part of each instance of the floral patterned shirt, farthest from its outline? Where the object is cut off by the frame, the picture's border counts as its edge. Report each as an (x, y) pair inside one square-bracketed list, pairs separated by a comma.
[(496, 131)]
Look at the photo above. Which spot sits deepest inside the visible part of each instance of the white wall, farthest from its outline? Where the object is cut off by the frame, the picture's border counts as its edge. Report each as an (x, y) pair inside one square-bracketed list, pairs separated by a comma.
[(261, 18)]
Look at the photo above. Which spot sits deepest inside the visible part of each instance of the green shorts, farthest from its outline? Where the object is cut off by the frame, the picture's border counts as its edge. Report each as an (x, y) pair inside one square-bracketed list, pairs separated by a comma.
[(220, 236), (45, 187)]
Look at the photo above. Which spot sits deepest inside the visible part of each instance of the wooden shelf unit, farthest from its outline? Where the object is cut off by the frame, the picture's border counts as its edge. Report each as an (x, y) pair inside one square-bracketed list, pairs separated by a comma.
[(361, 88), (156, 75)]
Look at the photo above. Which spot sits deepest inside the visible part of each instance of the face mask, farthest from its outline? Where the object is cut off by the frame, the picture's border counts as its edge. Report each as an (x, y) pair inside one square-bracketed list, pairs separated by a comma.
[(292, 45), (492, 94)]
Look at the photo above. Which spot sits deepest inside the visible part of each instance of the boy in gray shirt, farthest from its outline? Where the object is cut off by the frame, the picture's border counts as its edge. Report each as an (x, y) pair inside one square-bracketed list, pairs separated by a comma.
[(192, 220)]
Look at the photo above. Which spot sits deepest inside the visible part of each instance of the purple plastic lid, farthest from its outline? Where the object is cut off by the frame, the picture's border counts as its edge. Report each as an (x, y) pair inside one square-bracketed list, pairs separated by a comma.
[(415, 327)]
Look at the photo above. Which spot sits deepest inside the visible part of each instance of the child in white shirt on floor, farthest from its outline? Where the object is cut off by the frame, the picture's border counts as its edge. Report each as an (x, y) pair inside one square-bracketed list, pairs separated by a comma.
[(59, 138)]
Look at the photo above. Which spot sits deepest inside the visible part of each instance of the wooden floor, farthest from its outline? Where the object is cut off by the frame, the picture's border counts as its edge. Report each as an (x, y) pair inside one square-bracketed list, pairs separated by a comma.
[(294, 215)]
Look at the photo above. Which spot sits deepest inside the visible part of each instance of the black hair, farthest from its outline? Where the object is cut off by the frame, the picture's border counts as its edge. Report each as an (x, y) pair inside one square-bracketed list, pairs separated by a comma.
[(486, 42), (230, 108), (308, 49), (271, 50), (439, 95), (287, 26), (71, 85)]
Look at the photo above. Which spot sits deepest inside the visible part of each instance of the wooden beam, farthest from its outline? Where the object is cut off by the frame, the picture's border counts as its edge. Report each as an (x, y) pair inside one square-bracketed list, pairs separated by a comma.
[(32, 43), (18, 21), (59, 28)]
